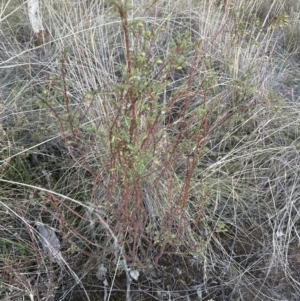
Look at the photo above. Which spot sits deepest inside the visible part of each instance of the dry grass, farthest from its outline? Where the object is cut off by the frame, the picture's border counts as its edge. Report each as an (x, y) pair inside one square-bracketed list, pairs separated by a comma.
[(146, 154)]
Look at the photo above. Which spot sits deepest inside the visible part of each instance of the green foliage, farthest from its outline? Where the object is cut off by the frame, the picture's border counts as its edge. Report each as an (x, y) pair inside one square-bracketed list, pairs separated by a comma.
[(279, 21)]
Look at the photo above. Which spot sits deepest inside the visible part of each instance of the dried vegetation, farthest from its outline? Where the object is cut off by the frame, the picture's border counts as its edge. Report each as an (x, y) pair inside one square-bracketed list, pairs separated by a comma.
[(149, 151)]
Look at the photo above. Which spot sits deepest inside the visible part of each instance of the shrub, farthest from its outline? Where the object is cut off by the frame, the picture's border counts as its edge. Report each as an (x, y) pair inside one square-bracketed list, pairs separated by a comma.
[(151, 143)]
